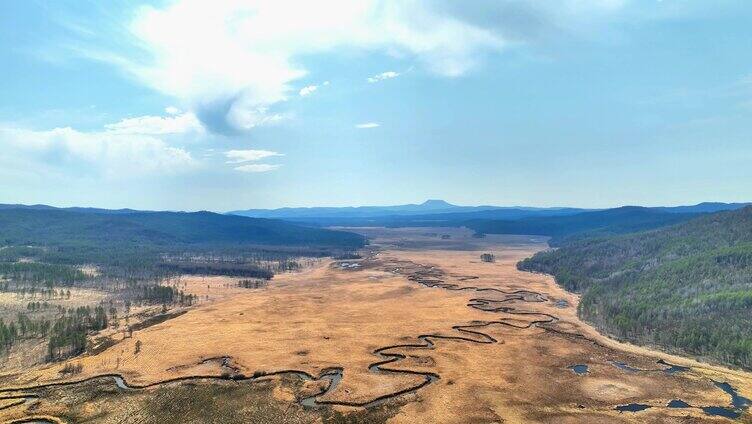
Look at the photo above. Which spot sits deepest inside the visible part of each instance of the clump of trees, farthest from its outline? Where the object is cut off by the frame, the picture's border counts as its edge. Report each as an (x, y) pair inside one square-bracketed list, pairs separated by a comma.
[(487, 257), (157, 294), (37, 306), (72, 368), (166, 295), (348, 256), (22, 328), (287, 265), (68, 334), (218, 268), (250, 284)]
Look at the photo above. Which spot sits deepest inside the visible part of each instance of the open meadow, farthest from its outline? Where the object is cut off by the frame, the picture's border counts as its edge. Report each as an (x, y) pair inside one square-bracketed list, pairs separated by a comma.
[(419, 329)]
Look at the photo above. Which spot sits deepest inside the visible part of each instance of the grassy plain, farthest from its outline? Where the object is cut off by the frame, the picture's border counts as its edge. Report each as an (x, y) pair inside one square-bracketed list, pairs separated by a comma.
[(330, 317)]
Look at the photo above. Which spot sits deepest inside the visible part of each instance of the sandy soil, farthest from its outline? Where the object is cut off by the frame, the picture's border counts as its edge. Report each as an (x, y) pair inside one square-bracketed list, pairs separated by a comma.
[(334, 317)]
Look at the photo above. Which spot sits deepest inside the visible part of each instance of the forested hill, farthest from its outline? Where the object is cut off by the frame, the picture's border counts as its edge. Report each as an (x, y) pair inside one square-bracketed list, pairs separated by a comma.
[(62, 227), (565, 228), (685, 287)]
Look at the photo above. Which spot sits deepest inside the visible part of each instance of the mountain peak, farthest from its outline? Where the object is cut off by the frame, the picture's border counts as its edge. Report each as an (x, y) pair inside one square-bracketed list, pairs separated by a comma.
[(436, 203)]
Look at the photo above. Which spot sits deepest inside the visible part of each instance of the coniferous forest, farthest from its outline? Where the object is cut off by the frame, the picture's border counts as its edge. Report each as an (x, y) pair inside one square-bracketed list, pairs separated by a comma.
[(686, 287)]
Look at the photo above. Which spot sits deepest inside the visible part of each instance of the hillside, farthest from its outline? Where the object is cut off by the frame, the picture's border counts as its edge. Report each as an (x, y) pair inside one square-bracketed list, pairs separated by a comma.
[(686, 287), (586, 224), (63, 227)]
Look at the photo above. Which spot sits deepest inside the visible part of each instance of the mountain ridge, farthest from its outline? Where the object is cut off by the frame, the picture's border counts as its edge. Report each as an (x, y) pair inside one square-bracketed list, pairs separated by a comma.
[(441, 210), (21, 226)]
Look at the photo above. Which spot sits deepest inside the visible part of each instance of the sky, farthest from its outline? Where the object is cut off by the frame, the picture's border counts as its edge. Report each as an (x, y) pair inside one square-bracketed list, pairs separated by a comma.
[(223, 105)]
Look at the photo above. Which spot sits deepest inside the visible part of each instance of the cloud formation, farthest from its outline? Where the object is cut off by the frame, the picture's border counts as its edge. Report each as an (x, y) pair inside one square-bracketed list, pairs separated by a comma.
[(245, 59), (367, 125), (176, 124), (382, 76), (308, 90), (243, 156), (240, 156), (243, 63), (260, 167), (104, 153)]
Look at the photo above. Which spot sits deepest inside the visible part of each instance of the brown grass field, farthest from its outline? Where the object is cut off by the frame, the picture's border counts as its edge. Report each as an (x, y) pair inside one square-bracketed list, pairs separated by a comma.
[(508, 361)]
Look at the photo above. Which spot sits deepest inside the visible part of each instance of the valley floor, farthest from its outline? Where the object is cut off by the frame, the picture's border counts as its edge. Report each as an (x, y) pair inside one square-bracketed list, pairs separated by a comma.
[(420, 330)]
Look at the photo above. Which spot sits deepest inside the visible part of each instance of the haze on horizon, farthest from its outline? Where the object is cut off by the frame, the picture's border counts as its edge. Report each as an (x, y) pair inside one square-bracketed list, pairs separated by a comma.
[(188, 105)]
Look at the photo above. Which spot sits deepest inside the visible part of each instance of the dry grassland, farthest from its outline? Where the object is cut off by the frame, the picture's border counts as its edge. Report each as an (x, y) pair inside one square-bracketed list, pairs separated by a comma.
[(329, 317)]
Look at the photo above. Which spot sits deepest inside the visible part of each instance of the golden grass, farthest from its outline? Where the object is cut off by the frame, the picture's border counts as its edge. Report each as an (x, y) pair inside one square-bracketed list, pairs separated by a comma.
[(329, 317)]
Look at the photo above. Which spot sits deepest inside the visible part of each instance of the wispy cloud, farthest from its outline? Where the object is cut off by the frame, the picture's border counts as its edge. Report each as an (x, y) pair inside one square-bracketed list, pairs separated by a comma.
[(383, 76), (308, 90), (367, 125), (240, 156), (260, 167), (243, 156), (116, 155), (176, 124)]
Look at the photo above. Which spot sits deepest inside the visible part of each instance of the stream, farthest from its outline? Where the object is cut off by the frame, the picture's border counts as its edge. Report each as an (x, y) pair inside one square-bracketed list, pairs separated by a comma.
[(388, 356)]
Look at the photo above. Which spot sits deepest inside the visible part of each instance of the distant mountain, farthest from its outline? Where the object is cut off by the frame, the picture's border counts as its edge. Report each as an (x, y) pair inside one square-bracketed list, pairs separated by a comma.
[(33, 207), (71, 209), (687, 286), (705, 207), (431, 205), (42, 226), (355, 211), (427, 210), (445, 219), (493, 219)]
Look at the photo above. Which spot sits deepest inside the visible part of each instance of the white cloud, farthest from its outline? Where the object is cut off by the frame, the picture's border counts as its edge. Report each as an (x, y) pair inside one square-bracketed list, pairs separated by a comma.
[(382, 76), (177, 124), (107, 153), (260, 167), (172, 110), (240, 156), (244, 61), (367, 125), (246, 56), (308, 90)]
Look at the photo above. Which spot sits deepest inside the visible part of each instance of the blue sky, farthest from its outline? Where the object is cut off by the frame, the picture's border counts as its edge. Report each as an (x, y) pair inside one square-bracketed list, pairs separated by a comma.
[(228, 105)]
